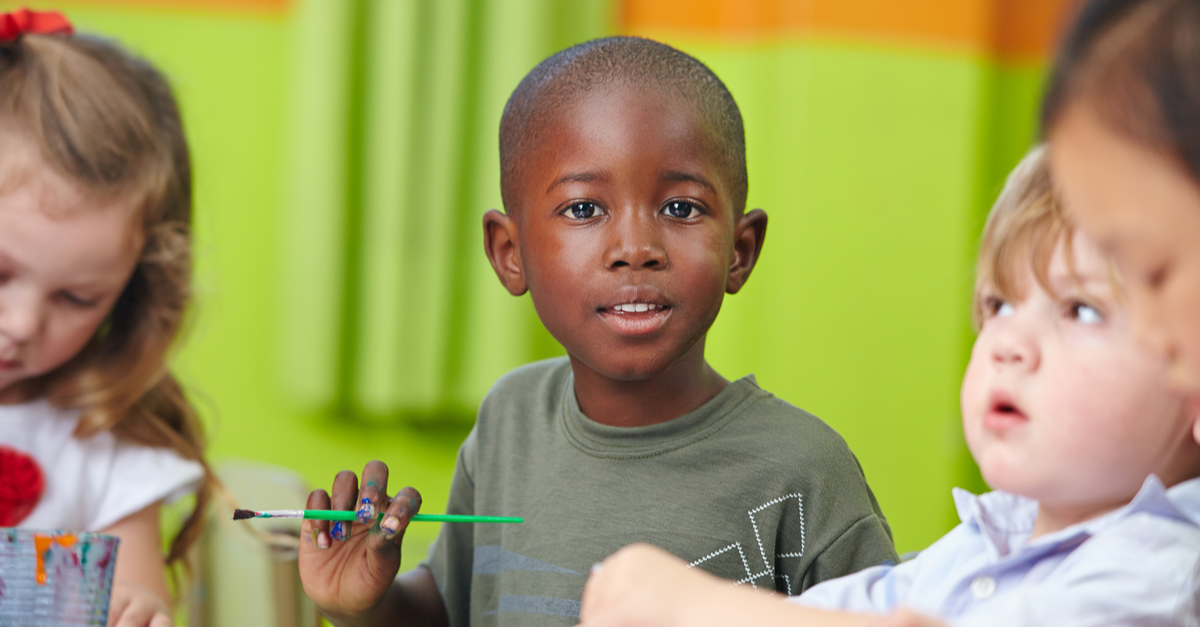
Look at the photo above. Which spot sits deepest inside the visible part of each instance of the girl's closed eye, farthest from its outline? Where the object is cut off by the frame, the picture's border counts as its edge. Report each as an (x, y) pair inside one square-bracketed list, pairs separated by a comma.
[(80, 302), (681, 209), (582, 210)]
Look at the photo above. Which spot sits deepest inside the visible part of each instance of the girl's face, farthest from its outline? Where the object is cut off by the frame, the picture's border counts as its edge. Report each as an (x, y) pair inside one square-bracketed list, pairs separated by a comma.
[(64, 260), (1144, 209)]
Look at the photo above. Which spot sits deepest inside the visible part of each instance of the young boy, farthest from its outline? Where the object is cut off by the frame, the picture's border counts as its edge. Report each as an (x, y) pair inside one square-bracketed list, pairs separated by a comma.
[(624, 180), (1096, 517)]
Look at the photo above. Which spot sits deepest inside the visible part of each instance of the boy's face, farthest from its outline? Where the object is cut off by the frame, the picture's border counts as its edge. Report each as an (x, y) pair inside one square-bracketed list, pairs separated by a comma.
[(1062, 405), (1144, 208), (626, 235)]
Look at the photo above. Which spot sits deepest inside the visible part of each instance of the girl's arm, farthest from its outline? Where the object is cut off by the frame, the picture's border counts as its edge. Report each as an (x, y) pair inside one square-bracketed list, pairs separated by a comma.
[(644, 586), (140, 597)]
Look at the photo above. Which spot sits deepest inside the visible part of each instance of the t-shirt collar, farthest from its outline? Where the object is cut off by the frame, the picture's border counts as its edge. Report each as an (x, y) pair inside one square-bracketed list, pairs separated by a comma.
[(1006, 520), (607, 441)]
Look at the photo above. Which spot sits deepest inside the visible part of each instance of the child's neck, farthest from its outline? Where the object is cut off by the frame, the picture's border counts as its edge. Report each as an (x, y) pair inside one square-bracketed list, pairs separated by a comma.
[(683, 387), (1056, 518)]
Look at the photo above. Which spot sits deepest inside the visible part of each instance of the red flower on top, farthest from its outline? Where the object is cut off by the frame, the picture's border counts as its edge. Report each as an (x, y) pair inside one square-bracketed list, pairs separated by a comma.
[(21, 486)]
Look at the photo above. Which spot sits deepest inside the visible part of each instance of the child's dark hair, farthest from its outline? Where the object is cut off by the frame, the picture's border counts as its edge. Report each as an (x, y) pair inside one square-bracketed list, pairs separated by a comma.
[(107, 121), (571, 74), (1136, 64)]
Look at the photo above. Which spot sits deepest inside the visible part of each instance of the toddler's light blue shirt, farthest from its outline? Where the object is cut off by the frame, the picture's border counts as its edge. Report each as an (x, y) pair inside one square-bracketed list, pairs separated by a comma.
[(1138, 565)]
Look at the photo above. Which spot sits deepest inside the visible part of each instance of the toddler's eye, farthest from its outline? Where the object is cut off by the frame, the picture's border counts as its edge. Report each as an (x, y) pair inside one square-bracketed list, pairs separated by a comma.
[(582, 210), (997, 307), (681, 209), (1084, 313)]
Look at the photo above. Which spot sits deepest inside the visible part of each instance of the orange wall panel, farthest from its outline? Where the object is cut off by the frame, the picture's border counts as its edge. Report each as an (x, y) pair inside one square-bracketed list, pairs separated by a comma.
[(208, 6), (1010, 29)]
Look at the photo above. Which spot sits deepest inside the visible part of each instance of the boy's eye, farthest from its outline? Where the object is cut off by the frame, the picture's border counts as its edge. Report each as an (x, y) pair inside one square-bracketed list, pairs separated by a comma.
[(1084, 313), (582, 210), (681, 209)]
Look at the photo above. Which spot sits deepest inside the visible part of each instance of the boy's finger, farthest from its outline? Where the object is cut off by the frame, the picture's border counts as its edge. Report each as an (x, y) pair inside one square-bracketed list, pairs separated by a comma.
[(345, 491), (406, 504), (317, 530), (372, 498)]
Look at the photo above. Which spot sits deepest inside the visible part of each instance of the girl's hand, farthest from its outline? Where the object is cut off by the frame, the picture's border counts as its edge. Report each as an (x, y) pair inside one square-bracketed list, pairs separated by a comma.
[(347, 567), (139, 583), (644, 585), (135, 606)]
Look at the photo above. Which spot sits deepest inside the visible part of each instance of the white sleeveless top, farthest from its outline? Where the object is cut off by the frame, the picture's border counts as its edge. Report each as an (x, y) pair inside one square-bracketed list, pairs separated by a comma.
[(94, 482)]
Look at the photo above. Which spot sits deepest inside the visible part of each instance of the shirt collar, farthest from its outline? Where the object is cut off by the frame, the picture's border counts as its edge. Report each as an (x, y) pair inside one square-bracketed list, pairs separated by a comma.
[(1006, 520)]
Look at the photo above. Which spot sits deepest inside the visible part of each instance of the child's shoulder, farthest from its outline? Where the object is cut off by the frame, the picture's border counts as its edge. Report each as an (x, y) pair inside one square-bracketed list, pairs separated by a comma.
[(784, 427), (538, 380)]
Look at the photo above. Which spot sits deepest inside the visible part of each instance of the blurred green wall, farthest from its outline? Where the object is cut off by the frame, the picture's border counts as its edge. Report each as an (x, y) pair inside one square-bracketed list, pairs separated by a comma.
[(875, 162)]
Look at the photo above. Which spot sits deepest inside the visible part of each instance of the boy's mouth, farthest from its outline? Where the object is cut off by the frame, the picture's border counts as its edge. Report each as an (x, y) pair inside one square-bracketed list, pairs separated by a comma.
[(1003, 413), (636, 317)]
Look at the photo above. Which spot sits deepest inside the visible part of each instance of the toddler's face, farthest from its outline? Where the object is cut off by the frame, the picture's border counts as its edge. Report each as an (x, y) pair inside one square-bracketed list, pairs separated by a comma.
[(64, 260), (626, 231), (1059, 401), (1144, 209)]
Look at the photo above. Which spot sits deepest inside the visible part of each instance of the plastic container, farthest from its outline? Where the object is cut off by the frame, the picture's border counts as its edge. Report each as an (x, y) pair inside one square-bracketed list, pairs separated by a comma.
[(55, 577)]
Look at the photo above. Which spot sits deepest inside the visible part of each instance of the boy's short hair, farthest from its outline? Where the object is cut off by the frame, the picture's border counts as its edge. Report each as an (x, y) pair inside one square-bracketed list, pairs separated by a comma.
[(572, 73), (1022, 230)]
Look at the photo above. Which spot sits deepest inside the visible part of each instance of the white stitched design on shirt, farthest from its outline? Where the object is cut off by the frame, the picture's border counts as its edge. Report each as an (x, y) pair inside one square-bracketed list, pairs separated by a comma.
[(769, 569)]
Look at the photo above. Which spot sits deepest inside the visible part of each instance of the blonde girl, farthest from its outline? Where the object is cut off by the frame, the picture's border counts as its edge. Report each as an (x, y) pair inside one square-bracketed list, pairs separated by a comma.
[(95, 207)]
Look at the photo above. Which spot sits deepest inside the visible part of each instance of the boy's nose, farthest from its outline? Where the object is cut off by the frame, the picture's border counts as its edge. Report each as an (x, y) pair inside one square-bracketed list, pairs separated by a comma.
[(636, 244)]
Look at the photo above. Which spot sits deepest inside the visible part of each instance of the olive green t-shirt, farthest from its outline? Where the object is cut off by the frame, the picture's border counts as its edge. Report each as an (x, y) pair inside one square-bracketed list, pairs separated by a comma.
[(747, 487)]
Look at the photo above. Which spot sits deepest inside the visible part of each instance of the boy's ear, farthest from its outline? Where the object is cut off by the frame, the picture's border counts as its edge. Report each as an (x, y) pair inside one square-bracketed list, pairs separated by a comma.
[(500, 244), (748, 236)]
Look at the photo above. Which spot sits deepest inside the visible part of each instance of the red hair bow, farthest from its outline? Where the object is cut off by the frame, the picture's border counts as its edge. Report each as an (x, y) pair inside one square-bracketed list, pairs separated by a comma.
[(22, 21)]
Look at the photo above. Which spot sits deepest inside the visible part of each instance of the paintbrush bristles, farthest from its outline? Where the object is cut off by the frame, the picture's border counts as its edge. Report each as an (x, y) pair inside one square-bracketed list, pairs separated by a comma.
[(243, 514)]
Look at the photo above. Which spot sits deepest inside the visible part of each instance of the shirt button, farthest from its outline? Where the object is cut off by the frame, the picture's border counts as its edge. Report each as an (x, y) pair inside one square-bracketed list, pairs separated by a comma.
[(983, 587)]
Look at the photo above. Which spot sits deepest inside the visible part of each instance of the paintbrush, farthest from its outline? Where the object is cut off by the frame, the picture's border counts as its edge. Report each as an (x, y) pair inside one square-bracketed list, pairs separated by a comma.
[(334, 514)]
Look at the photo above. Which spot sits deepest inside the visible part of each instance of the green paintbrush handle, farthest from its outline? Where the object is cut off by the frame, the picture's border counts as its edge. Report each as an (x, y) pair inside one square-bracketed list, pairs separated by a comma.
[(334, 514)]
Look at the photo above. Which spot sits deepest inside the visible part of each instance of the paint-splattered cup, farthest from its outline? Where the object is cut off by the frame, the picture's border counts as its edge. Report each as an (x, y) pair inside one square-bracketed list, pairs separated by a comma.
[(55, 577)]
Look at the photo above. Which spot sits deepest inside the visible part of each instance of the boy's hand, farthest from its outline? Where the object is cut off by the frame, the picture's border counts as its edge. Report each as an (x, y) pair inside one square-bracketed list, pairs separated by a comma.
[(642, 585), (347, 567), (135, 606)]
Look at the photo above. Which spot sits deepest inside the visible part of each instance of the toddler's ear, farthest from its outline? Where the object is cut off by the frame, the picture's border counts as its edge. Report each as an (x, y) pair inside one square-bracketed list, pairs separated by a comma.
[(500, 244), (1193, 407)]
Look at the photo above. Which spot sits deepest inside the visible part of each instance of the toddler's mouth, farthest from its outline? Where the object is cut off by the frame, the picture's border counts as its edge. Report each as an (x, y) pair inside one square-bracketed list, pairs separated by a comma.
[(1003, 413)]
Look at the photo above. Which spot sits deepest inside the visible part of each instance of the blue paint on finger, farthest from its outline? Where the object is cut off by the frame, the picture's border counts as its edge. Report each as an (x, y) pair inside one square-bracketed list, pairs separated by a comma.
[(340, 530), (366, 513)]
